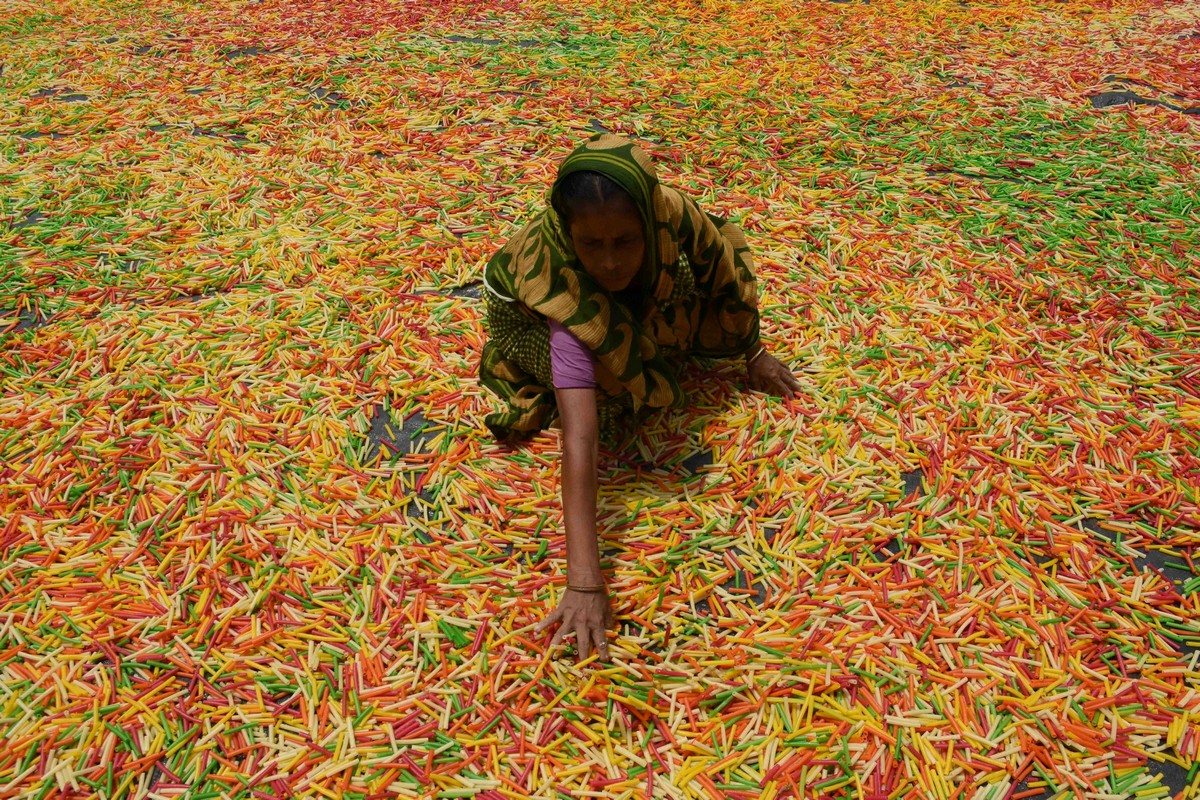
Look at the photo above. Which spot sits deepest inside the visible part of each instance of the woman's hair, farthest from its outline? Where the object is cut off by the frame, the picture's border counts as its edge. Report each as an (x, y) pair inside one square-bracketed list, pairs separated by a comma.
[(584, 188)]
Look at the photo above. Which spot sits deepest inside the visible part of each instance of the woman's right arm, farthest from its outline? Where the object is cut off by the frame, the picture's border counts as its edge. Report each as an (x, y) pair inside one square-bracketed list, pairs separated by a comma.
[(586, 614)]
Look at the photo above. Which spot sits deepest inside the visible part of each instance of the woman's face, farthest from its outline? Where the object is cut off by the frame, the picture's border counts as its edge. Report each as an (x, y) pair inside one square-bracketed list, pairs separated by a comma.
[(609, 242)]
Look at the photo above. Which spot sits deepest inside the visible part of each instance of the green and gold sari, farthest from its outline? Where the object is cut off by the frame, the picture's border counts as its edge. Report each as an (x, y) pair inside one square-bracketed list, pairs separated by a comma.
[(700, 298)]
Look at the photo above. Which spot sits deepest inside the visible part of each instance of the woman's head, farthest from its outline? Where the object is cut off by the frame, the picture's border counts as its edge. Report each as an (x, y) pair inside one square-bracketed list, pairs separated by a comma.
[(604, 226)]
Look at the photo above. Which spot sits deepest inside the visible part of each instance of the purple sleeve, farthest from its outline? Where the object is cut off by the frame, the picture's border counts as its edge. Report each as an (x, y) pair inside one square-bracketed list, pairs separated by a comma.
[(572, 365)]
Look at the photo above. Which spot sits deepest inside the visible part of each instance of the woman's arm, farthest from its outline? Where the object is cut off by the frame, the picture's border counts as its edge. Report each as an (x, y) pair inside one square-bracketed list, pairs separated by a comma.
[(585, 613), (581, 445)]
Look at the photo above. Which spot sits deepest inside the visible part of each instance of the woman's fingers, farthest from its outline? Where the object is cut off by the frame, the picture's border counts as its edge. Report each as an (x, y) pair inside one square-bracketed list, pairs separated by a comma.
[(587, 621), (779, 382), (592, 636), (790, 384), (583, 641), (549, 620), (772, 376), (563, 630), (602, 645), (785, 381), (775, 379)]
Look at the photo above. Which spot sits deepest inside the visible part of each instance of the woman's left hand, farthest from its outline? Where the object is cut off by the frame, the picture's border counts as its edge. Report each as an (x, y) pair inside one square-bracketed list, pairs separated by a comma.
[(768, 374)]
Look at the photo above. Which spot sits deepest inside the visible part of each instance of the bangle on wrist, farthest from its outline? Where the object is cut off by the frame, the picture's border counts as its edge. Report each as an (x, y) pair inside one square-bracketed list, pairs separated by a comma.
[(593, 589), (751, 359)]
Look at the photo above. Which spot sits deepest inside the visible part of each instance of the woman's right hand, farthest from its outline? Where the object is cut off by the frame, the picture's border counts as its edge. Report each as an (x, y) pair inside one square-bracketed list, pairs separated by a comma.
[(587, 615)]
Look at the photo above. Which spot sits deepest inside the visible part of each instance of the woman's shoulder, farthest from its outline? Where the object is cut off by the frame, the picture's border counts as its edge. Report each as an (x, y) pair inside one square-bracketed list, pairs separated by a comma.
[(517, 244), (669, 203), (531, 229)]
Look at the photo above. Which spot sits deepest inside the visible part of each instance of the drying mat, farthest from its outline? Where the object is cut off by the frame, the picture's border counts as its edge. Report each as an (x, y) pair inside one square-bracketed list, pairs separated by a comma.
[(256, 542)]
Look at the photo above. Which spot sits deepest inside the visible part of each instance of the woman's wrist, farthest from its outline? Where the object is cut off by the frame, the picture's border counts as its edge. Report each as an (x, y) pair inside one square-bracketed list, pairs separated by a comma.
[(590, 588), (754, 353), (585, 575)]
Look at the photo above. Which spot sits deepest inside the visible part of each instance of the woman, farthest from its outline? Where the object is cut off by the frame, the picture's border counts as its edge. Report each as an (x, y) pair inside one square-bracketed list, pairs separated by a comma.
[(588, 308)]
